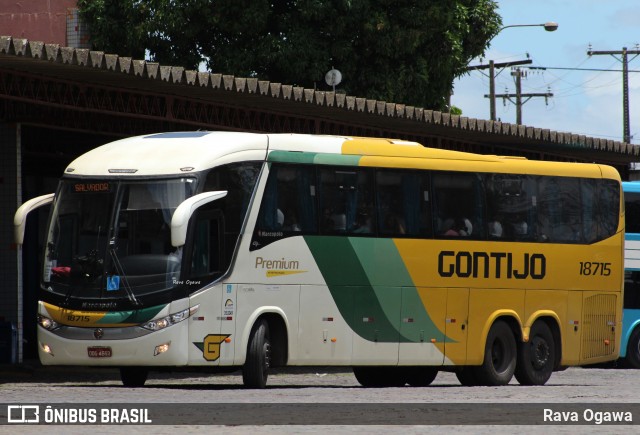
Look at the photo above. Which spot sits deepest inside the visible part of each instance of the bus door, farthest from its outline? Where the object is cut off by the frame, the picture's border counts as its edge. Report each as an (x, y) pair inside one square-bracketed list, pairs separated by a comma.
[(212, 328)]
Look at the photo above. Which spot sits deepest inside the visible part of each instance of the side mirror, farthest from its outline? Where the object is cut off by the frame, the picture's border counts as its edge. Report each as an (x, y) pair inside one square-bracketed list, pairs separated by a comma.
[(20, 218), (180, 218)]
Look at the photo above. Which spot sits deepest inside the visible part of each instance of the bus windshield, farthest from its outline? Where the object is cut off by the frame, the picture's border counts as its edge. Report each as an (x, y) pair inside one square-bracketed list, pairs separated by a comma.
[(112, 239)]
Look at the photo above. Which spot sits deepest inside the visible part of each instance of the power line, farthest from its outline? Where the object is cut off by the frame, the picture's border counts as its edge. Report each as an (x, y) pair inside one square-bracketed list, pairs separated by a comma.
[(625, 83), (492, 83), (520, 98), (582, 69)]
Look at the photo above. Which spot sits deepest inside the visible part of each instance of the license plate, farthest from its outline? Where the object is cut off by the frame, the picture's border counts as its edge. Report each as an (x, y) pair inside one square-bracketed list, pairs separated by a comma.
[(99, 352)]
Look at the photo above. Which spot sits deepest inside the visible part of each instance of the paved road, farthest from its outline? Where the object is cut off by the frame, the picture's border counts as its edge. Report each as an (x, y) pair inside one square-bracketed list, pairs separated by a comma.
[(585, 388)]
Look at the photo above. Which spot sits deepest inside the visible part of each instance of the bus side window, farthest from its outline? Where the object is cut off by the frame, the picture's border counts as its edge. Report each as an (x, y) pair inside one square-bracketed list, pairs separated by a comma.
[(631, 290), (591, 209), (289, 201), (206, 256), (632, 211), (608, 210), (510, 202), (403, 207), (459, 204), (559, 205), (346, 201)]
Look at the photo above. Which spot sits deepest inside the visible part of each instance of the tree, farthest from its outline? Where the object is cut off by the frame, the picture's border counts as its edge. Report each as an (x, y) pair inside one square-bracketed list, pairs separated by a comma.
[(116, 26), (406, 51)]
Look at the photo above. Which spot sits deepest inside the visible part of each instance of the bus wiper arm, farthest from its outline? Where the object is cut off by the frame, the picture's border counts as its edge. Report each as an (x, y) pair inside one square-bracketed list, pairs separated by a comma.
[(120, 270)]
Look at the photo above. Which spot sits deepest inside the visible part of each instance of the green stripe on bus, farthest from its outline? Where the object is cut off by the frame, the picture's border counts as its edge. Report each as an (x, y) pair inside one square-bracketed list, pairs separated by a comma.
[(381, 261), (385, 268), (337, 159), (313, 158), (135, 316), (365, 277), (291, 157)]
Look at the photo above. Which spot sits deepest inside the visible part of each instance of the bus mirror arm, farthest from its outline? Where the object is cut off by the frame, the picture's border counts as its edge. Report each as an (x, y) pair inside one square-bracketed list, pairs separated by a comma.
[(180, 218), (20, 218)]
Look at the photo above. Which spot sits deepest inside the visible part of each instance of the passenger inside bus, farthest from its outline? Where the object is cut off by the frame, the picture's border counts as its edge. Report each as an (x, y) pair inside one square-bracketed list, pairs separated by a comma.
[(394, 224), (495, 229)]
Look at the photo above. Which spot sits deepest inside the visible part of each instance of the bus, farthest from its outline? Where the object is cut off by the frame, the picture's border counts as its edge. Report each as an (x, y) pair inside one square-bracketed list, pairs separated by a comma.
[(246, 251), (630, 345)]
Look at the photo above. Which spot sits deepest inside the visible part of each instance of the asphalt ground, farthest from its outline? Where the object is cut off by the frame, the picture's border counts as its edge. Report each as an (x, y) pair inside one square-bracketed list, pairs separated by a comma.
[(319, 395)]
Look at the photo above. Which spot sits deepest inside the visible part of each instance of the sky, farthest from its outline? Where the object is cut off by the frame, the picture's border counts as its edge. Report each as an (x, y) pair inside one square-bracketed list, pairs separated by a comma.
[(583, 102)]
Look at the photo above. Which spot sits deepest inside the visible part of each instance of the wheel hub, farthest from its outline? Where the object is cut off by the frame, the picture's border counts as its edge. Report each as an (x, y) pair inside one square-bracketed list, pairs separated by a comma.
[(540, 353)]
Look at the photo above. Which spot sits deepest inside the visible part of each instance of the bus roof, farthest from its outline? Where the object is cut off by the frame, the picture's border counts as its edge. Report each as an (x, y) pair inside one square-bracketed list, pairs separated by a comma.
[(169, 153), (179, 153), (631, 186)]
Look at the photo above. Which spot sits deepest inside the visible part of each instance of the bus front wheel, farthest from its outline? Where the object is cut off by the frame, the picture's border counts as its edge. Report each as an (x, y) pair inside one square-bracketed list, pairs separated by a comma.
[(633, 350), (133, 377), (536, 358), (256, 367), (499, 356)]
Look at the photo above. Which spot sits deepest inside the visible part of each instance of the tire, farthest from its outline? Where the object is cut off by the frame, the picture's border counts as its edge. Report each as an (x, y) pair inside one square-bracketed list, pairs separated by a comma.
[(500, 356), (467, 377), (379, 377), (633, 350), (536, 357), (133, 377), (420, 376), (256, 367)]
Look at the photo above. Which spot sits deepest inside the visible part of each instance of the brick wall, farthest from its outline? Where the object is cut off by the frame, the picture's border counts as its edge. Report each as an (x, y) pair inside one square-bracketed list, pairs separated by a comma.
[(36, 20)]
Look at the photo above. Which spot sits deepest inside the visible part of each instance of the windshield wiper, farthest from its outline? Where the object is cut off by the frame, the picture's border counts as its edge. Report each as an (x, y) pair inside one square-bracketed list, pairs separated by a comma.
[(120, 271)]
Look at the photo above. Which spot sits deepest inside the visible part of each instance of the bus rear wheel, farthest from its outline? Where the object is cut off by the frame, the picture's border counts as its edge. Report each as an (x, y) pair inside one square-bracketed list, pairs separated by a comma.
[(256, 367), (633, 350), (536, 358), (500, 355), (133, 377)]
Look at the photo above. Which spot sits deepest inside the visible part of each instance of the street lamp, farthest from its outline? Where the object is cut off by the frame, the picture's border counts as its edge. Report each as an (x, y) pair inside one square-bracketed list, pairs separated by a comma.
[(549, 26)]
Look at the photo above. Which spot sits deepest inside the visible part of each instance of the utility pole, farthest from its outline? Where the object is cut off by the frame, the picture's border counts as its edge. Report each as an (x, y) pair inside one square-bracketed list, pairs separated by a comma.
[(492, 80), (626, 130), (518, 74)]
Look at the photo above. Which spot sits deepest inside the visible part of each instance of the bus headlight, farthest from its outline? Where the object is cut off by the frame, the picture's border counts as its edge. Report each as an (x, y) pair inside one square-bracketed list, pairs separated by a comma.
[(47, 323), (171, 319)]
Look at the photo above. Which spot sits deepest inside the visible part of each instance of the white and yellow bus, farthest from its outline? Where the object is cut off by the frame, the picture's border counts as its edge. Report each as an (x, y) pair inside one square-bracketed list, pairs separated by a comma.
[(238, 250)]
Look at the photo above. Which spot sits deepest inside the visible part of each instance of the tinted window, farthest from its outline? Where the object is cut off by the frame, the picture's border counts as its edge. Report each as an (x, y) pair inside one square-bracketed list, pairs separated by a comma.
[(632, 211), (346, 201), (403, 203), (289, 200), (510, 207), (458, 205), (559, 210)]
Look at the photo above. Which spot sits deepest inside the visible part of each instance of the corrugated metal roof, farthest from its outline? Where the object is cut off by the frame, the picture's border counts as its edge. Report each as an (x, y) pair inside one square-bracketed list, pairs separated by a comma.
[(86, 66)]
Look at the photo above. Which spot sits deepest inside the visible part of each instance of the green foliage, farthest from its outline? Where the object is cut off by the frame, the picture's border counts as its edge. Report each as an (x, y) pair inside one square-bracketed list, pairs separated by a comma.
[(117, 26), (407, 51), (455, 110)]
